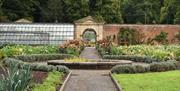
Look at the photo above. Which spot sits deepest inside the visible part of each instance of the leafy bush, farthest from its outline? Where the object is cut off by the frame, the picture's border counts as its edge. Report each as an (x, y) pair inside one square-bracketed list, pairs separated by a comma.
[(16, 79), (178, 36), (1, 55), (130, 69), (163, 66), (42, 57), (153, 67), (162, 38), (145, 59), (50, 83), (129, 36), (73, 47), (158, 52), (11, 51), (123, 69), (36, 67)]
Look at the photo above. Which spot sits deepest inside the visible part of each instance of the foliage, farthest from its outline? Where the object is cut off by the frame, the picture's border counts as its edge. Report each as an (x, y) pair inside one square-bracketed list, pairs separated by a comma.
[(53, 80), (111, 11), (42, 57), (178, 36), (162, 38), (156, 52), (163, 66), (16, 79), (11, 51), (129, 36), (130, 69), (159, 81), (1, 55), (134, 58), (153, 67), (73, 47), (36, 67)]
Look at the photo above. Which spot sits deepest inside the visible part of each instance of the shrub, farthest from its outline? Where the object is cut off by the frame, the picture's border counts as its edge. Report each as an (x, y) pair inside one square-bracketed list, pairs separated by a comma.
[(178, 36), (141, 69), (123, 69), (16, 79), (153, 67), (36, 67), (42, 57), (162, 38), (130, 69), (145, 59), (14, 50), (127, 36), (162, 66)]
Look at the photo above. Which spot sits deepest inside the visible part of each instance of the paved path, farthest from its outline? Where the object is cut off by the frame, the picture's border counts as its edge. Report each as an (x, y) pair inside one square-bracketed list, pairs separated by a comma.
[(90, 53), (90, 80)]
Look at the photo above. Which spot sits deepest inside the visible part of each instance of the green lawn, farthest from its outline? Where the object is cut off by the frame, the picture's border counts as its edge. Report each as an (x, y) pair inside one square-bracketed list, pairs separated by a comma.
[(164, 81)]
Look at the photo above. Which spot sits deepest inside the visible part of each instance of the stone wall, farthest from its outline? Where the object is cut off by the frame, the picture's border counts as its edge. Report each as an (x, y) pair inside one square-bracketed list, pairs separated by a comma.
[(150, 31)]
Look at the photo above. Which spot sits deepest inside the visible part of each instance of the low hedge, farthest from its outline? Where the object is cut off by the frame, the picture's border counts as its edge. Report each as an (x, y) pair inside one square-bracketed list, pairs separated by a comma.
[(153, 67), (42, 57), (36, 67), (145, 59)]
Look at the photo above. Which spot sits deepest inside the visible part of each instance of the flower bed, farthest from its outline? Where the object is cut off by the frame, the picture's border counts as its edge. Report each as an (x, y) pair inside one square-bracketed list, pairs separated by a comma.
[(154, 52)]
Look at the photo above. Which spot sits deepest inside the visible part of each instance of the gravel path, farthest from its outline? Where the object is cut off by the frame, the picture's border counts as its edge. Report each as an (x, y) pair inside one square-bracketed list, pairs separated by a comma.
[(90, 80), (90, 53)]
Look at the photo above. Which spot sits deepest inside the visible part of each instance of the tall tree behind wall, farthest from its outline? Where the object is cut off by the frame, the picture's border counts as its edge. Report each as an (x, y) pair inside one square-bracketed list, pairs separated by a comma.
[(53, 12), (75, 9), (107, 10), (16, 9), (141, 11), (170, 12)]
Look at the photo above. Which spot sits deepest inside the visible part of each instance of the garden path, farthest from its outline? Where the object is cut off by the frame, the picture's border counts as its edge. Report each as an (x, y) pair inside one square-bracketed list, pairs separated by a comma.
[(90, 53), (90, 80)]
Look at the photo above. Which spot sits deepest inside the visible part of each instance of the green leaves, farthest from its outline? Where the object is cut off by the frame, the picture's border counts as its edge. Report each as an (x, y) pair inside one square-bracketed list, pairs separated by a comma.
[(16, 79)]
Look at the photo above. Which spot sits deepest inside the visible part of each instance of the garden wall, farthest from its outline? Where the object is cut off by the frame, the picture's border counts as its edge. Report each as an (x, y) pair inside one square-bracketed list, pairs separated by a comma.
[(150, 31)]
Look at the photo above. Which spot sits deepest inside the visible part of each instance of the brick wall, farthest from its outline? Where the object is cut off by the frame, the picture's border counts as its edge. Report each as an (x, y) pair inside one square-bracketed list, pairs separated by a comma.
[(150, 31)]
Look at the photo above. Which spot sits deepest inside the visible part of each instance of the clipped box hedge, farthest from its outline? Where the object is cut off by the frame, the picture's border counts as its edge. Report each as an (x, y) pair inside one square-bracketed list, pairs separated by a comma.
[(42, 57), (36, 67), (153, 67), (133, 58)]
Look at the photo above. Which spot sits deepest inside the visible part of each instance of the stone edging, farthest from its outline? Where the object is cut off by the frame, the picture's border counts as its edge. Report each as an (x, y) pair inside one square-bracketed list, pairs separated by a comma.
[(115, 82), (65, 82)]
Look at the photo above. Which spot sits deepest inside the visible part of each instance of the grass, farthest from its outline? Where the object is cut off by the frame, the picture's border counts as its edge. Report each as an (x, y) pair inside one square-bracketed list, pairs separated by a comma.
[(164, 81), (50, 83)]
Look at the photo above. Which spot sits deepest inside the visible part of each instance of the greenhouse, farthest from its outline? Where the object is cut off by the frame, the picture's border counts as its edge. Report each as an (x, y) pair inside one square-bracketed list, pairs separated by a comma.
[(41, 33)]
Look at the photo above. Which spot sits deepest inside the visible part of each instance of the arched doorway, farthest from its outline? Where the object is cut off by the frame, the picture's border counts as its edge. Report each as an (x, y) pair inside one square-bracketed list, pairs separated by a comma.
[(89, 35)]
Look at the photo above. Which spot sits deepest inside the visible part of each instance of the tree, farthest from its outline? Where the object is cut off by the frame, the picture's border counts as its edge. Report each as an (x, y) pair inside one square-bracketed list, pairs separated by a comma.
[(75, 9), (170, 12), (53, 12), (107, 10), (141, 11), (16, 9)]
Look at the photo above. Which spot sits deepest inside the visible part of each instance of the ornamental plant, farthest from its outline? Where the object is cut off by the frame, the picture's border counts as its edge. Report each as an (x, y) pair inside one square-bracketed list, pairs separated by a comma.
[(16, 79)]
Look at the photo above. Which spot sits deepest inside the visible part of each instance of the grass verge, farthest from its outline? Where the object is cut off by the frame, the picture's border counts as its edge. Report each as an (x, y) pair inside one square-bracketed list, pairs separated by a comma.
[(160, 81), (53, 80)]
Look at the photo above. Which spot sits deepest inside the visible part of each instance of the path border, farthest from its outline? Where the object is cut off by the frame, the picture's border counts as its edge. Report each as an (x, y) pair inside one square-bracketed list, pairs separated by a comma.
[(115, 82), (66, 80)]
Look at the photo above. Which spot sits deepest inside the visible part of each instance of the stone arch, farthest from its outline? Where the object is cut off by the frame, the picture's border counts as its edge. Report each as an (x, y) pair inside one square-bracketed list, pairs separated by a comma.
[(86, 23), (89, 35)]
